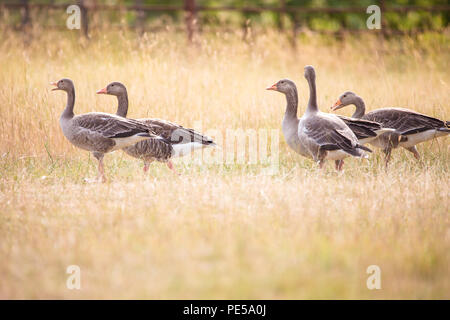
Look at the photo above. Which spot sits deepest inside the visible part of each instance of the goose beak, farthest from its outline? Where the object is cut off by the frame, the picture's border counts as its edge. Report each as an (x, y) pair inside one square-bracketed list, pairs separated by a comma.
[(337, 105), (54, 84), (102, 91), (273, 87)]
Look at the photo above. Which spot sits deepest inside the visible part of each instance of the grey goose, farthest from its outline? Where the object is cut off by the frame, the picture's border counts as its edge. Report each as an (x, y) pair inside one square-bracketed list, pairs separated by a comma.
[(98, 132), (411, 127), (316, 135), (178, 141)]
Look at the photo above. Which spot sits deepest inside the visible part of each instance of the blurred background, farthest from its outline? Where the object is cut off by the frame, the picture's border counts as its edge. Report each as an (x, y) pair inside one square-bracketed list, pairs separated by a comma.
[(325, 16)]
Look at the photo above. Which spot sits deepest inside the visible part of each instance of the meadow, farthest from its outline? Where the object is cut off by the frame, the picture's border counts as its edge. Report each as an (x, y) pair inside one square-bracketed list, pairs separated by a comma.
[(219, 230)]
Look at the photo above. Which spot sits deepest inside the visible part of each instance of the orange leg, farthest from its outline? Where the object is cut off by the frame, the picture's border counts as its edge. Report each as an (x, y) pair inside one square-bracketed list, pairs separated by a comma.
[(170, 165), (321, 164), (147, 163), (414, 151), (387, 151), (339, 164), (101, 171)]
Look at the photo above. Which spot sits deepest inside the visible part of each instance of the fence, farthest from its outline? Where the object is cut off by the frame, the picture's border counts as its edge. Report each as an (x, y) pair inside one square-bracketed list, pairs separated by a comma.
[(191, 9)]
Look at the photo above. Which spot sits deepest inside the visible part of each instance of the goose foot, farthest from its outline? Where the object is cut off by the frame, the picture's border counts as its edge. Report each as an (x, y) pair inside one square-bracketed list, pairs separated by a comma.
[(387, 151), (321, 164), (101, 172), (170, 165), (339, 164), (414, 151), (100, 179), (147, 163)]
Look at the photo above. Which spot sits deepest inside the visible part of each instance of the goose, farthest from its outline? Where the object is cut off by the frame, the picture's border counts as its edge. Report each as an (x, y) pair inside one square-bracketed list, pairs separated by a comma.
[(411, 127), (316, 135), (365, 130), (179, 140), (98, 132)]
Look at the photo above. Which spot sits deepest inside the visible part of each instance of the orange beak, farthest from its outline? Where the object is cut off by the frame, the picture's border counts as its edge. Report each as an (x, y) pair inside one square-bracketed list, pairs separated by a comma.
[(336, 105), (273, 87), (102, 91), (54, 83)]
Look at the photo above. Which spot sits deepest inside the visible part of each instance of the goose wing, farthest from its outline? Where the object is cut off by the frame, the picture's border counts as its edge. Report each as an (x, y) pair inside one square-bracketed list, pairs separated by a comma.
[(404, 121), (332, 134), (175, 133), (112, 126), (362, 128)]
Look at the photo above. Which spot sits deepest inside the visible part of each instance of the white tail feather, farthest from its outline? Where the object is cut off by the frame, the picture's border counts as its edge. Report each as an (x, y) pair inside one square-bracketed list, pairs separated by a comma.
[(183, 149), (384, 130), (128, 141)]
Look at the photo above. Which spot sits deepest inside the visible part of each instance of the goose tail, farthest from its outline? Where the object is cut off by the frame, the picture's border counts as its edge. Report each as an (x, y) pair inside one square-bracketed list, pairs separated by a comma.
[(152, 136), (446, 130), (384, 130), (363, 148)]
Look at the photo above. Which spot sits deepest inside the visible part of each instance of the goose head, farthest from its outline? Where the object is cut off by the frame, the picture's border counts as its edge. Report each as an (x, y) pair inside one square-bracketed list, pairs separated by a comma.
[(344, 99), (284, 86), (63, 84), (114, 88), (310, 73)]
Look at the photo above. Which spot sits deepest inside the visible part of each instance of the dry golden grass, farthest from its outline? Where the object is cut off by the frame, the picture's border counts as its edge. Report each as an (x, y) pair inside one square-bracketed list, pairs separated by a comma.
[(218, 231)]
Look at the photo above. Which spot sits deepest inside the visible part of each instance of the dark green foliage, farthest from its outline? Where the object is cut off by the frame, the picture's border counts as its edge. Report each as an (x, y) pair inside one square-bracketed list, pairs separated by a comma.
[(403, 21)]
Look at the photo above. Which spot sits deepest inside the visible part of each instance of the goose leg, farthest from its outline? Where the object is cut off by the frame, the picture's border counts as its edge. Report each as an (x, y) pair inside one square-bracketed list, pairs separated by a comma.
[(339, 164), (387, 151), (170, 165), (321, 155), (414, 151), (101, 170), (146, 165), (321, 163)]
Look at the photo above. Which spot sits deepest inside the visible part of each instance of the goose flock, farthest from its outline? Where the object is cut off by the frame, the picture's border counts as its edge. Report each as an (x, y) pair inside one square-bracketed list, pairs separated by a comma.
[(321, 136), (316, 135), (147, 139)]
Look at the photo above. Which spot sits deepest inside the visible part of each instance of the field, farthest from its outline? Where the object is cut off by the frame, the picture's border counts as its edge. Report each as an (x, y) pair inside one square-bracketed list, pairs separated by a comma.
[(219, 230)]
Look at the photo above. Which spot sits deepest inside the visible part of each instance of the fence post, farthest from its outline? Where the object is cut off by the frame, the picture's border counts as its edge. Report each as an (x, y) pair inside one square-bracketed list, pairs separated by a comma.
[(189, 7), (295, 28), (140, 16), (26, 20), (281, 15), (84, 18), (246, 28), (383, 21)]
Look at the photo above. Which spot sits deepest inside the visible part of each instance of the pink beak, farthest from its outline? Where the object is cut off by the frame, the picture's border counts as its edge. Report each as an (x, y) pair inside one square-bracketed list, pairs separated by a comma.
[(272, 87), (54, 84), (337, 105), (102, 91)]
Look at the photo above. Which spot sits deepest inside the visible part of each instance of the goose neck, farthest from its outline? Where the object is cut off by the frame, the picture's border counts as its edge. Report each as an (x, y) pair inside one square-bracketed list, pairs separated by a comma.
[(68, 111), (122, 108), (312, 103), (360, 108), (291, 104)]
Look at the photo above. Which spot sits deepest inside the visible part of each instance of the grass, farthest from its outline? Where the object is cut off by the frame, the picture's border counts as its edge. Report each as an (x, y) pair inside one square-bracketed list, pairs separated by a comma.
[(218, 231)]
